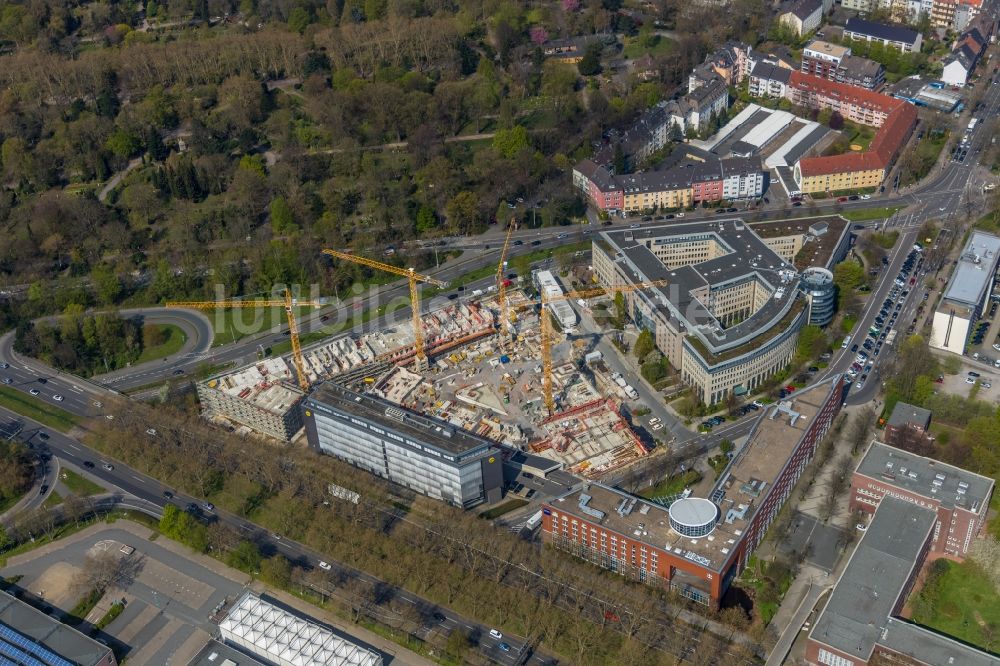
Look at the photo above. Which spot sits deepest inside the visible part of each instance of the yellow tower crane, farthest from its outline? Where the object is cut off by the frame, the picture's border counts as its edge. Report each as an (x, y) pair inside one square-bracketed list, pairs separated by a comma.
[(413, 277), (287, 303), (501, 282), (545, 326)]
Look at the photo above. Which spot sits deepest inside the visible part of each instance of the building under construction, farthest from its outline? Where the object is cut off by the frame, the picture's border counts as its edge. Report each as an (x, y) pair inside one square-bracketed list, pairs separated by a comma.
[(262, 397)]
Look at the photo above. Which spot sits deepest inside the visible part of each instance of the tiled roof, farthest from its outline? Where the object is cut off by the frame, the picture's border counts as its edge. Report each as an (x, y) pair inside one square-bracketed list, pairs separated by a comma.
[(770, 72), (883, 149), (845, 92), (803, 9)]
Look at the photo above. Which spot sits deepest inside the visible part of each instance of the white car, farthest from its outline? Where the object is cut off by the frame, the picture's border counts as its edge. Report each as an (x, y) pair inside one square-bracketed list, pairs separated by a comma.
[(996, 346), (970, 380), (495, 634), (151, 432), (679, 215), (866, 197), (57, 398), (34, 391), (986, 385), (109, 467), (654, 420), (657, 426), (324, 566)]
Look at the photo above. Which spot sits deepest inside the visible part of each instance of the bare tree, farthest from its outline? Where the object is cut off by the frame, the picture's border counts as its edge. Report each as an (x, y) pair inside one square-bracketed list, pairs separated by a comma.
[(107, 570)]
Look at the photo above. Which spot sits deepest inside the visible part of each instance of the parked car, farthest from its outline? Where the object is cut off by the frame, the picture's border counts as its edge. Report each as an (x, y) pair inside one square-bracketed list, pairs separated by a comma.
[(495, 634)]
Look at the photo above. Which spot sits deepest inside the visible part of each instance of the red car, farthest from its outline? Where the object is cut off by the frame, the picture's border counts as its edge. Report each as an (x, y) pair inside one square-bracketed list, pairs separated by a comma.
[(841, 199), (790, 388)]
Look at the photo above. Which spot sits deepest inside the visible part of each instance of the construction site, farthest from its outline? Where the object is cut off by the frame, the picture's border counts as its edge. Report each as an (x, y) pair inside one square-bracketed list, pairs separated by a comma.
[(490, 364)]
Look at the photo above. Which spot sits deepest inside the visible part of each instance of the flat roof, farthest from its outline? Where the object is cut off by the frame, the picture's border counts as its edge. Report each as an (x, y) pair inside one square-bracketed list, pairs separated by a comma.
[(858, 615), (926, 477), (743, 257), (266, 384), (740, 491), (869, 588), (283, 637), (743, 486), (904, 414), (219, 654), (427, 430), (29, 636), (973, 275)]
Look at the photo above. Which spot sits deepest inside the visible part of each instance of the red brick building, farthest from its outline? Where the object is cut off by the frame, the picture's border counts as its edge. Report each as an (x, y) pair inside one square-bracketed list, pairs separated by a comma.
[(960, 498), (697, 546)]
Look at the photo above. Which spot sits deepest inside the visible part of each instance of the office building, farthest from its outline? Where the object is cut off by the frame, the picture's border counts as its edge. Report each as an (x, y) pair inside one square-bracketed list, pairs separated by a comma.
[(697, 546), (425, 454), (730, 315), (860, 622), (817, 284), (959, 498), (968, 293), (29, 637)]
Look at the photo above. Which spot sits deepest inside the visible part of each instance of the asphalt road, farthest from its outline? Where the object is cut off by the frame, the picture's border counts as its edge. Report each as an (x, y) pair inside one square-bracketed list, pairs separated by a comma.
[(71, 452)]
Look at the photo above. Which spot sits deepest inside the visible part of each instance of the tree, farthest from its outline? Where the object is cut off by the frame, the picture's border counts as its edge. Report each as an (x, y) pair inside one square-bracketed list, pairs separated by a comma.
[(245, 557), (590, 64), (426, 220), (644, 344), (282, 221), (107, 286), (836, 121), (299, 20), (620, 310), (619, 161), (462, 212), (510, 142), (123, 144), (276, 570)]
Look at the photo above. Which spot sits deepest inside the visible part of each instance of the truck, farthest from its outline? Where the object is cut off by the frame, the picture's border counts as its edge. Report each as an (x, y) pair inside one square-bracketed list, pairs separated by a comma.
[(972, 124), (889, 339), (630, 392), (534, 521)]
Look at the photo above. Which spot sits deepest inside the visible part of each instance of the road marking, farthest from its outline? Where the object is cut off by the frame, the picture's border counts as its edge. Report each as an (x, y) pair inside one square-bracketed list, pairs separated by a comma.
[(138, 479), (74, 447), (75, 388)]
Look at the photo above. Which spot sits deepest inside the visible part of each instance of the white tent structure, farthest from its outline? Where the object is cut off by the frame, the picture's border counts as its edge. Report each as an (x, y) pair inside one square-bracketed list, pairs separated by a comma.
[(279, 637)]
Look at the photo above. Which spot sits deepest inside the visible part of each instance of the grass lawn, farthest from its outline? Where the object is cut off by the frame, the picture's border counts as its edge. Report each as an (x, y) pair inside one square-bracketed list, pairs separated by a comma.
[(30, 406), (859, 135), (80, 486), (673, 485), (234, 324), (886, 241), (960, 602), (863, 214), (501, 509), (633, 49), (173, 339), (54, 499)]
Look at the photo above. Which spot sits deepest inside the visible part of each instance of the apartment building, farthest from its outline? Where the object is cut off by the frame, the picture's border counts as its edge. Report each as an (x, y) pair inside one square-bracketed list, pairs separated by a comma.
[(802, 16), (693, 111), (821, 58), (955, 14), (859, 105), (769, 80), (894, 36)]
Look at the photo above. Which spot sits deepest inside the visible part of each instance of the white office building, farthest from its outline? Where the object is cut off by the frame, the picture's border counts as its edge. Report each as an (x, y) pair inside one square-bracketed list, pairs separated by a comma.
[(968, 293)]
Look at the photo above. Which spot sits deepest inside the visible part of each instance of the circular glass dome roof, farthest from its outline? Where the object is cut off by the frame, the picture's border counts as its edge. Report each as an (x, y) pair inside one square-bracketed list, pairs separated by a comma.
[(693, 516)]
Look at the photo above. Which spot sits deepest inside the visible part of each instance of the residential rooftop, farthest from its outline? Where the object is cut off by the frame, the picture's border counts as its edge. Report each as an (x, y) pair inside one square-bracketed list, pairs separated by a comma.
[(826, 48), (935, 480), (973, 275), (892, 33), (268, 384), (426, 431)]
